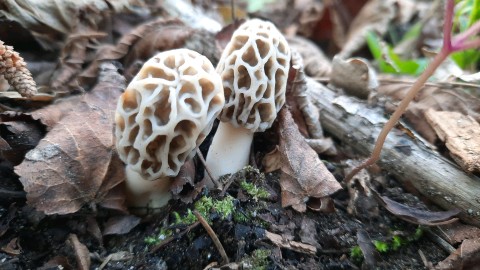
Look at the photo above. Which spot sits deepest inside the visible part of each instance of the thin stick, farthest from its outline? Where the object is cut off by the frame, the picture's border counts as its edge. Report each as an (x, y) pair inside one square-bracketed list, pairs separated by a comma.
[(212, 235), (215, 181), (232, 3), (416, 87)]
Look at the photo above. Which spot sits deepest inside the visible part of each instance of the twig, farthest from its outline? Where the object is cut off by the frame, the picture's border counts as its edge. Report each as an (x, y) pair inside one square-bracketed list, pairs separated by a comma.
[(459, 42), (212, 235), (215, 181)]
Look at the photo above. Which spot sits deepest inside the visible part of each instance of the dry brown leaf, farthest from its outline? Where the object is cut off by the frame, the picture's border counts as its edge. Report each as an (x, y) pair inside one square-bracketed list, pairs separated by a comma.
[(461, 135), (50, 20), (82, 255), (316, 63), (370, 254), (144, 41), (355, 76), (466, 257), (414, 215), (374, 16), (456, 232), (76, 164), (300, 247), (441, 97), (72, 57), (184, 186), (121, 224), (303, 174), (20, 135)]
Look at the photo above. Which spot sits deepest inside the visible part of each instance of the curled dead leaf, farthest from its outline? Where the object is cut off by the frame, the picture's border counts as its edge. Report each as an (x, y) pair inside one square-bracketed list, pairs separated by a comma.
[(75, 163), (416, 216), (303, 174)]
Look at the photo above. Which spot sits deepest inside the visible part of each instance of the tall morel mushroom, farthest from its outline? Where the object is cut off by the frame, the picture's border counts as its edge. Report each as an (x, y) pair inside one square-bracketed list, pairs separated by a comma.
[(254, 69), (162, 117)]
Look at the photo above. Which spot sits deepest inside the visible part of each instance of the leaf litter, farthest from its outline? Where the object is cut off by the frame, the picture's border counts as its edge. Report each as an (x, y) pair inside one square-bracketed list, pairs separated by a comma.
[(73, 168)]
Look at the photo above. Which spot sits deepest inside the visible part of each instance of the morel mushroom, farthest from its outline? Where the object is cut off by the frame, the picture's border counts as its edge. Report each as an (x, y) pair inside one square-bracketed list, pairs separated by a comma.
[(162, 117), (254, 69)]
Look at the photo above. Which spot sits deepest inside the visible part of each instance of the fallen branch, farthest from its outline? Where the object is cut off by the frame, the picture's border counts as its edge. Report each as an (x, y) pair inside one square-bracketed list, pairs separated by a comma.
[(410, 161)]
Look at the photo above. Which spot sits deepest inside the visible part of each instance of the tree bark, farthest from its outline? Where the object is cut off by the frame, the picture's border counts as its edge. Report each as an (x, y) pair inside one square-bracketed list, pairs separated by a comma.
[(409, 160)]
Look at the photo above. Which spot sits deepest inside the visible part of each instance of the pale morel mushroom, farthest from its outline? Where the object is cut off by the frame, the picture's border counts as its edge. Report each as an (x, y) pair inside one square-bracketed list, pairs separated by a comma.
[(254, 69), (164, 114)]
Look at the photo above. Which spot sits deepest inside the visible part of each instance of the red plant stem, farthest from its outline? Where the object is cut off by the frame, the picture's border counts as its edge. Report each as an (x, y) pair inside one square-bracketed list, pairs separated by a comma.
[(415, 88)]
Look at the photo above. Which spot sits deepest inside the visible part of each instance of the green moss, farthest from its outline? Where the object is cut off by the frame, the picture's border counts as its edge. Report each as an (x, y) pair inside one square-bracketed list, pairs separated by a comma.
[(258, 260), (356, 254), (254, 191), (381, 247), (225, 207), (204, 205), (162, 235)]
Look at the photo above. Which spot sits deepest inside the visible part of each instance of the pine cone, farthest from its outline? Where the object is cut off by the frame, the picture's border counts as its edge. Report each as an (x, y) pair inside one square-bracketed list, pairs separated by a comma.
[(15, 71)]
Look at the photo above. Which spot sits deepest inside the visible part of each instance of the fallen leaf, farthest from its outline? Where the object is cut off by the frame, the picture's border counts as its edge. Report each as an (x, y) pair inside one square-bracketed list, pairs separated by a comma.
[(414, 215), (466, 257), (12, 248), (121, 224), (461, 134), (316, 63), (370, 254), (292, 245), (457, 232), (355, 76), (76, 164), (82, 255), (308, 232), (184, 186), (50, 21), (374, 16), (303, 174), (20, 137), (439, 97)]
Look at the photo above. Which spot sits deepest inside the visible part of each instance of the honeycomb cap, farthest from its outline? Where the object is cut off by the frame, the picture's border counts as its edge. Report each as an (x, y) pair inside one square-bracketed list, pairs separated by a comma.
[(254, 69), (166, 112)]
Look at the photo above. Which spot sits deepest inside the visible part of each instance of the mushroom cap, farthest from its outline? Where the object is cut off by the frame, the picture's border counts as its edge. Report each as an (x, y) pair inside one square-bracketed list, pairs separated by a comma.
[(254, 69), (166, 112)]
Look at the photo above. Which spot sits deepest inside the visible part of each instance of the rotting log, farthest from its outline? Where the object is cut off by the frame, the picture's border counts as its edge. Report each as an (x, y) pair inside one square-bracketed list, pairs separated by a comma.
[(409, 160)]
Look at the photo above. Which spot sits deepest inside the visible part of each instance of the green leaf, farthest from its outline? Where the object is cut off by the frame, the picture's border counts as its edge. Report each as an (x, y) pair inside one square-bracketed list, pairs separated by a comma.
[(389, 61)]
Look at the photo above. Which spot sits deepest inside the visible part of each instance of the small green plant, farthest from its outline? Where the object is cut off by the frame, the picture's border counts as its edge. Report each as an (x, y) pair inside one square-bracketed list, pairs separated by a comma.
[(188, 219), (356, 254), (381, 246), (254, 191), (258, 260), (397, 242), (204, 205), (154, 240), (225, 207)]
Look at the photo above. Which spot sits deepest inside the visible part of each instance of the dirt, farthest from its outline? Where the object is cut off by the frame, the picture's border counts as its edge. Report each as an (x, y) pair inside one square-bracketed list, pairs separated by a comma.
[(42, 240)]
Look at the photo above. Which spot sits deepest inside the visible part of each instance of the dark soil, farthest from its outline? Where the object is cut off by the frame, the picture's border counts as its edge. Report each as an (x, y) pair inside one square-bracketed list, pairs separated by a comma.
[(31, 240)]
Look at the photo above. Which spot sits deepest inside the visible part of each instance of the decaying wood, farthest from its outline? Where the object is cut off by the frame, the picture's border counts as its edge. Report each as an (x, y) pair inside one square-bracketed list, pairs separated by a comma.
[(410, 161), (300, 247), (461, 134)]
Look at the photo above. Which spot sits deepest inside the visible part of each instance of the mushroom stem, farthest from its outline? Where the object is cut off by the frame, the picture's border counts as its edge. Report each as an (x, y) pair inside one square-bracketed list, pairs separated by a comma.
[(230, 150), (146, 195)]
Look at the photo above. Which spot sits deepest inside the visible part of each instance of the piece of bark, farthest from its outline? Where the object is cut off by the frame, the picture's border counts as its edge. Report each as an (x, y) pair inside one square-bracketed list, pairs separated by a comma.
[(411, 162), (461, 134), (300, 247)]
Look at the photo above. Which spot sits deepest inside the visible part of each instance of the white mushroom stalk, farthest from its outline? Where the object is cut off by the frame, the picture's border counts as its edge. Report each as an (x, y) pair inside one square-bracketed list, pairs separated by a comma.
[(162, 117), (254, 69)]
